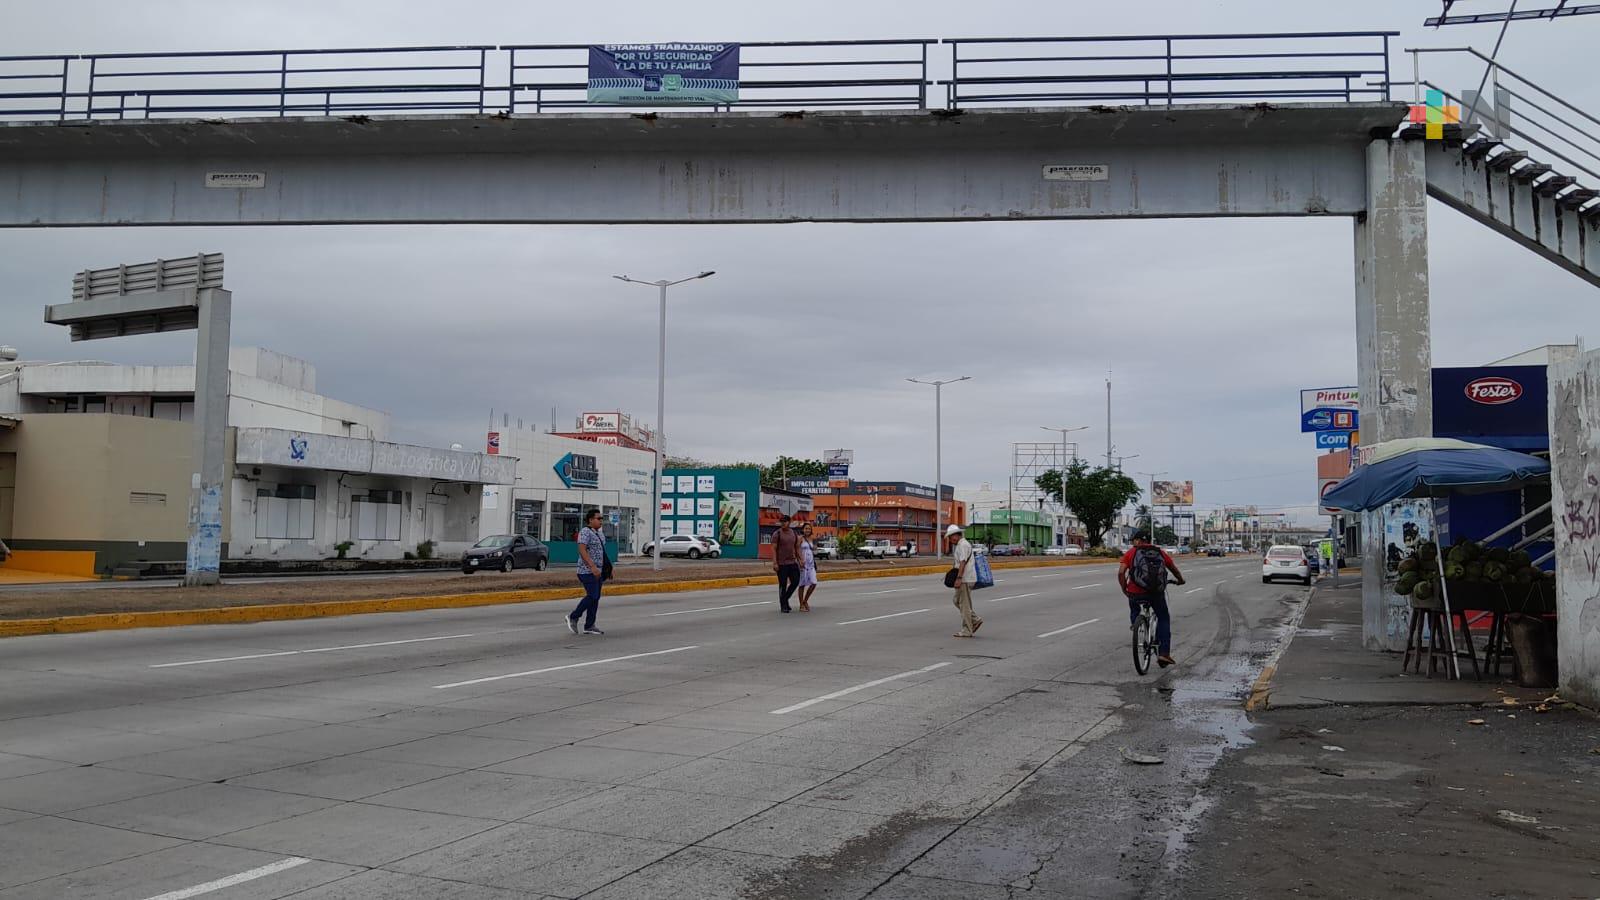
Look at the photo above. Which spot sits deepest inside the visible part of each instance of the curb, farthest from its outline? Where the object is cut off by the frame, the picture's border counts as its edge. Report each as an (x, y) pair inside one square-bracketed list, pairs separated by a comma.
[(1261, 691), (240, 615)]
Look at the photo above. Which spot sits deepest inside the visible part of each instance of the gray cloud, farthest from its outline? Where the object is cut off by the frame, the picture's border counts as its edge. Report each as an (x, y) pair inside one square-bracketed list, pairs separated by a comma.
[(803, 339)]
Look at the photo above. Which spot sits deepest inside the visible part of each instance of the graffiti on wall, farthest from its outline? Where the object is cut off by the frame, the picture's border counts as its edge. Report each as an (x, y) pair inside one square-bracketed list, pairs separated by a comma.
[(1581, 519)]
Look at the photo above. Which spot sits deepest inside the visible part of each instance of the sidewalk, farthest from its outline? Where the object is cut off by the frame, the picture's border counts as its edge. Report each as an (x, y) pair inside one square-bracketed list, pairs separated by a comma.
[(1325, 665)]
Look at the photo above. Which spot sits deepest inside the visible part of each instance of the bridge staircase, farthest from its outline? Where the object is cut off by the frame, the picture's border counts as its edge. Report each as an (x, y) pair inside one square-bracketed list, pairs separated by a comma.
[(1526, 164)]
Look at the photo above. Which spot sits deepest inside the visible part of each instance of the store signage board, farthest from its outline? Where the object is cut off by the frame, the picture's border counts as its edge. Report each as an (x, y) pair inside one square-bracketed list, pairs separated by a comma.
[(1333, 440), (1324, 485), (1329, 398), (1330, 419)]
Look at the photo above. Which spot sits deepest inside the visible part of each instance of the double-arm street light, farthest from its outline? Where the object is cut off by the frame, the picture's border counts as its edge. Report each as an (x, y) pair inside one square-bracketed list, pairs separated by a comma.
[(938, 459), (1064, 433), (661, 403)]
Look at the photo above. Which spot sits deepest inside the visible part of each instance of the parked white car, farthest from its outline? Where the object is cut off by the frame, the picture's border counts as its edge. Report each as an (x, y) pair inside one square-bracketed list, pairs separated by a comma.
[(1072, 550), (685, 545), (1286, 561), (826, 549)]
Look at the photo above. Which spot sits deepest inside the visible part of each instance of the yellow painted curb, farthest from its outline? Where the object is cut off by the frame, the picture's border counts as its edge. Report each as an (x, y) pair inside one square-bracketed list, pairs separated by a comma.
[(239, 615), (1261, 690)]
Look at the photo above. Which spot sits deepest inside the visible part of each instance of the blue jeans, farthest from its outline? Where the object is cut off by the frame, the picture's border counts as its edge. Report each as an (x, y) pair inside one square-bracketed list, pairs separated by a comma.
[(1163, 618), (590, 604)]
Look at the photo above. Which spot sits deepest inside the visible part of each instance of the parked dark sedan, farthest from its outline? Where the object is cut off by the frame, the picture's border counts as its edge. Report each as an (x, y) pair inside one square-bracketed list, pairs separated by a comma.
[(1216, 551), (506, 552)]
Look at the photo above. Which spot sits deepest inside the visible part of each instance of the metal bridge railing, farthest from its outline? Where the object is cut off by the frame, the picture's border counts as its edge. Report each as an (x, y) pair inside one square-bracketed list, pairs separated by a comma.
[(1168, 69), (1537, 117), (872, 74)]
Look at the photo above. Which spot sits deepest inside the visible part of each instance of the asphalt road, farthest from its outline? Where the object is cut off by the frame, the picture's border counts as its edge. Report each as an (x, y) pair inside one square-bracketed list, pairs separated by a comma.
[(706, 747)]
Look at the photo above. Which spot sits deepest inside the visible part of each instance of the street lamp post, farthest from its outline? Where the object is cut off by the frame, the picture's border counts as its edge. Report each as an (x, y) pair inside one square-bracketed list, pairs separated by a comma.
[(938, 459), (1064, 433), (661, 404)]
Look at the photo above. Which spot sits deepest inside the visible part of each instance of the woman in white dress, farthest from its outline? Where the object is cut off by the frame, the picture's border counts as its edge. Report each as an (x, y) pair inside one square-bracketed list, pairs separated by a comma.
[(808, 568)]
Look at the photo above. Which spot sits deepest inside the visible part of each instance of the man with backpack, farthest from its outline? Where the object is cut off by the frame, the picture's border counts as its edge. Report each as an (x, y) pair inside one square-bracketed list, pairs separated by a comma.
[(1143, 577)]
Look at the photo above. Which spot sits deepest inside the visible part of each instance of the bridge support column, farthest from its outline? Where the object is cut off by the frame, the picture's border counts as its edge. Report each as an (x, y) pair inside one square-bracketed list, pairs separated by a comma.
[(1394, 355), (209, 479)]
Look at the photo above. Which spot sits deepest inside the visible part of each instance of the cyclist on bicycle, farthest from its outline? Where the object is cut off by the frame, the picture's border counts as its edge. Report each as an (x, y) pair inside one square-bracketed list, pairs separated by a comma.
[(1143, 577)]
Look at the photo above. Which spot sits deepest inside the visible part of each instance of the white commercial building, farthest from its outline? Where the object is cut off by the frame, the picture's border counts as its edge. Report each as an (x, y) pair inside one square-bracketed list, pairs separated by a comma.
[(558, 478), (95, 464)]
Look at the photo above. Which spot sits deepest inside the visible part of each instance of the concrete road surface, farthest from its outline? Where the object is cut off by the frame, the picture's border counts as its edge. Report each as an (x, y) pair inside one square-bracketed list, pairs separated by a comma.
[(706, 746)]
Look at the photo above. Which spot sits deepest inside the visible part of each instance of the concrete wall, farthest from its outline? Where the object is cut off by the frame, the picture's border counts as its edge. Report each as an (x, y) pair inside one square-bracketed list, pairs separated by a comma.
[(118, 485), (1574, 438)]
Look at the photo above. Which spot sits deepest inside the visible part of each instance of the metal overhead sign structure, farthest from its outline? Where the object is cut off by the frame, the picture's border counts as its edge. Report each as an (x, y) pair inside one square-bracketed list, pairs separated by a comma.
[(152, 298)]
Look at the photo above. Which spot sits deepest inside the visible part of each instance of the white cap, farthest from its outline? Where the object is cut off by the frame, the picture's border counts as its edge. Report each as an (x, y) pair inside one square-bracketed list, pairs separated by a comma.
[(953, 529)]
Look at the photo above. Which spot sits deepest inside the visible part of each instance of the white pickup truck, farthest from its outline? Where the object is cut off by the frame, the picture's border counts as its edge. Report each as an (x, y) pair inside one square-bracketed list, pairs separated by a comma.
[(875, 549)]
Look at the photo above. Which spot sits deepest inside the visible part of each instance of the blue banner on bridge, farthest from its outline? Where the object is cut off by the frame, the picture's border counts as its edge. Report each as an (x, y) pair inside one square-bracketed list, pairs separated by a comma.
[(650, 74)]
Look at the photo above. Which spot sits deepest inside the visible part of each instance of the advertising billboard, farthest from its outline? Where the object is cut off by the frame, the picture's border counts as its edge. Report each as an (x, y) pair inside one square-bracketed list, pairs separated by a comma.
[(600, 421), (1172, 493)]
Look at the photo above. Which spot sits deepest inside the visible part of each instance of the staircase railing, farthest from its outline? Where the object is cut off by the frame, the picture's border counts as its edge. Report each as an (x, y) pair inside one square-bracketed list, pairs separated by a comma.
[(1538, 117)]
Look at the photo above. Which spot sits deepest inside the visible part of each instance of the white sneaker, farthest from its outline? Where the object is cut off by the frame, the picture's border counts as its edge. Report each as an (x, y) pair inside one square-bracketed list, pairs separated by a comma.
[(572, 624)]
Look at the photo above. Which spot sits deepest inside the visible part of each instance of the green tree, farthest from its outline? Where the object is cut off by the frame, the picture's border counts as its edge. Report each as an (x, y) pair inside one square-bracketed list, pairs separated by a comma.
[(788, 467), (851, 541), (1093, 494)]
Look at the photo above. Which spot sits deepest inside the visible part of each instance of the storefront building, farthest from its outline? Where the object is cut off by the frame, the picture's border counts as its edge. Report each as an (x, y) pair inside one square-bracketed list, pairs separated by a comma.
[(558, 479), (1031, 528), (898, 511), (719, 503)]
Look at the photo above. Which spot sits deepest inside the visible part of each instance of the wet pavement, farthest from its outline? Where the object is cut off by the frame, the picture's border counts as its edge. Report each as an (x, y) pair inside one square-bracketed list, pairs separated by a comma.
[(706, 746)]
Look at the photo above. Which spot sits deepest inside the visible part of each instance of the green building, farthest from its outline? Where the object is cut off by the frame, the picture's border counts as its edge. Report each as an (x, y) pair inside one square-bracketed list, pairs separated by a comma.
[(1029, 527)]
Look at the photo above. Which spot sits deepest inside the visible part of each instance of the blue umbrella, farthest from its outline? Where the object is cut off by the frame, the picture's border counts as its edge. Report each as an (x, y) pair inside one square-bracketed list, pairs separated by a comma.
[(1433, 467)]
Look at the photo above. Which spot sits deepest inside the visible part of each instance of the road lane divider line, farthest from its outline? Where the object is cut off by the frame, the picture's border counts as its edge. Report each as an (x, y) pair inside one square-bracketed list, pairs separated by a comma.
[(1195, 591), (684, 612), (890, 591), (1013, 597), (1067, 629), (1050, 575), (859, 687), (908, 612), (592, 662), (232, 880), (1085, 587), (222, 659)]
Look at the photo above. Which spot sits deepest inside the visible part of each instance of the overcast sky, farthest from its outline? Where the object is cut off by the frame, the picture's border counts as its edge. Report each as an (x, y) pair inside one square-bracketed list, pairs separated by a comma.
[(803, 340)]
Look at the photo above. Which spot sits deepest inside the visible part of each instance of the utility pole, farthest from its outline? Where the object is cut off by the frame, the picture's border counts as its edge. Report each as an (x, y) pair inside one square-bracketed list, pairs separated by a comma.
[(1152, 516)]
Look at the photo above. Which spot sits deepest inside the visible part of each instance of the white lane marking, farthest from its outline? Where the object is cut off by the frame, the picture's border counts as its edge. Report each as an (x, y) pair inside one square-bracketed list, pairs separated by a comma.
[(1050, 575), (683, 612), (908, 612), (592, 662), (1195, 591), (1241, 575), (860, 687), (231, 880), (891, 591), (1068, 628), (1013, 597), (201, 662), (1084, 587)]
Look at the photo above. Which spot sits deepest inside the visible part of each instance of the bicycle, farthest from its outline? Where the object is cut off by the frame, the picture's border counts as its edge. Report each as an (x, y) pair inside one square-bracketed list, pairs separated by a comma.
[(1144, 637)]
